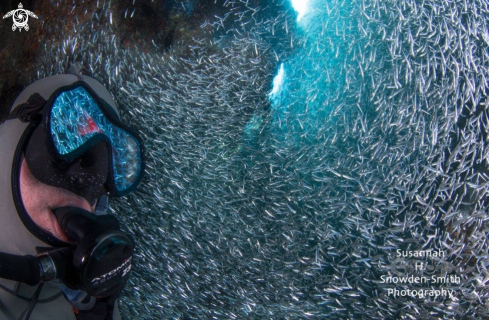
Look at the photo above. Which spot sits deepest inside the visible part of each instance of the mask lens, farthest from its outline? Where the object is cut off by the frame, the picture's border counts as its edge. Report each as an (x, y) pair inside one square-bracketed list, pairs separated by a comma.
[(76, 118), (71, 124), (126, 159)]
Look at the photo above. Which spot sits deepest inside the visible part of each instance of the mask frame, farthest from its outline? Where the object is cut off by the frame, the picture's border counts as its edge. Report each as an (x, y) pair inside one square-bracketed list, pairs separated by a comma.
[(51, 167)]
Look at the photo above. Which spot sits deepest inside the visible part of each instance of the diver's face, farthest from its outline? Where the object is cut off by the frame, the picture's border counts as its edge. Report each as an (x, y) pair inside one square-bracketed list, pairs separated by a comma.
[(40, 199)]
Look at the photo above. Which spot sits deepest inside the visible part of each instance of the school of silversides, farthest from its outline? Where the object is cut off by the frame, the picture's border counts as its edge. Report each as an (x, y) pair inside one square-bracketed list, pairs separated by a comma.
[(291, 204)]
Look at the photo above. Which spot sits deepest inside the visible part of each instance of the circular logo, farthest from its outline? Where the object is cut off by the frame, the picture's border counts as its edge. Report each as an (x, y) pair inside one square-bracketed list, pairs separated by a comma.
[(20, 17)]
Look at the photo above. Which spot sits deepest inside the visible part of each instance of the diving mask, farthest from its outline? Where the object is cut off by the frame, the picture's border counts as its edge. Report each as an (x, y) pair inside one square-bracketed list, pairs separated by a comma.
[(80, 144)]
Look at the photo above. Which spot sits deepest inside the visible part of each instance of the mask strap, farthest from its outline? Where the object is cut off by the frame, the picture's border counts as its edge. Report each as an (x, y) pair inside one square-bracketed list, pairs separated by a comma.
[(26, 111)]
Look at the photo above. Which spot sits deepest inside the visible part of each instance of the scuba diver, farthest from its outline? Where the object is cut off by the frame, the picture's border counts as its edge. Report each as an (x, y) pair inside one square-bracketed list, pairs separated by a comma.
[(65, 151)]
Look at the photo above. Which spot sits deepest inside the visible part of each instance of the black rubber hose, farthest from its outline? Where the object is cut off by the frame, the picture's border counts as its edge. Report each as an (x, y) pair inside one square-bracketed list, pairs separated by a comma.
[(24, 269)]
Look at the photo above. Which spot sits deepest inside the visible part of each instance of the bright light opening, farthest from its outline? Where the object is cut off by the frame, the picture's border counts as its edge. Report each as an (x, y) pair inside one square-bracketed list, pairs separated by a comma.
[(301, 6), (278, 81)]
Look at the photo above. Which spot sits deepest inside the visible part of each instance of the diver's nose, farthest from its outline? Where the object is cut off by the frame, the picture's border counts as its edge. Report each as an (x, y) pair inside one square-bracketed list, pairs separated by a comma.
[(89, 173)]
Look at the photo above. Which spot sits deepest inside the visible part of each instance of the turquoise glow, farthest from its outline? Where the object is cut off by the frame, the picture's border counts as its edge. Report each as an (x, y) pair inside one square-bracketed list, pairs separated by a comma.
[(301, 7), (278, 82)]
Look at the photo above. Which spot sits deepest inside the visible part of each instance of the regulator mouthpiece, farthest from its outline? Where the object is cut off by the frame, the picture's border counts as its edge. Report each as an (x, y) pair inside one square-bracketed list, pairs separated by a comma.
[(102, 256)]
